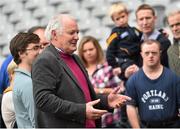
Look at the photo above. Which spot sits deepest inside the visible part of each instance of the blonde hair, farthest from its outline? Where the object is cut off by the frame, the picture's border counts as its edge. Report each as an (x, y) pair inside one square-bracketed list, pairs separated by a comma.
[(10, 69), (117, 8), (100, 54)]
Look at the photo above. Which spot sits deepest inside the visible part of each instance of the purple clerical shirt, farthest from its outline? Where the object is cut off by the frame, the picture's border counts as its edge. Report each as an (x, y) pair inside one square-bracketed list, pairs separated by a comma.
[(77, 72)]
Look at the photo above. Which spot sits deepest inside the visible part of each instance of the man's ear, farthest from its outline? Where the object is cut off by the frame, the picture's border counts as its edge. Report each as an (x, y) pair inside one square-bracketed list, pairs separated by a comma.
[(21, 54), (155, 17), (54, 34), (141, 54)]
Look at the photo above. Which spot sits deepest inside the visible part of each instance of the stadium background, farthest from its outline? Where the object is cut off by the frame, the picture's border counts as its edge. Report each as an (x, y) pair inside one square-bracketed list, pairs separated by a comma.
[(92, 16)]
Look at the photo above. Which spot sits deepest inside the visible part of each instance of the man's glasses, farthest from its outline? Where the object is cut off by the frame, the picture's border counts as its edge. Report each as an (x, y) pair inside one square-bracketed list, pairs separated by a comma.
[(35, 48)]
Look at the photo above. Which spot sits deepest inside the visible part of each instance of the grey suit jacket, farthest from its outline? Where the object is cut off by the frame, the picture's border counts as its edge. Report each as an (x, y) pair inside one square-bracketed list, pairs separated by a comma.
[(59, 99)]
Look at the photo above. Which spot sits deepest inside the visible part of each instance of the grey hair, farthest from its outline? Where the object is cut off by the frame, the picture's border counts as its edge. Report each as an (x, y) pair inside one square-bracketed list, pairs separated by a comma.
[(172, 13), (56, 23)]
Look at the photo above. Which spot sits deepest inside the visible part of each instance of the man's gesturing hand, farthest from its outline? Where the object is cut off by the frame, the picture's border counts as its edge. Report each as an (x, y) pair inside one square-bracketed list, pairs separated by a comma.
[(91, 112), (115, 100)]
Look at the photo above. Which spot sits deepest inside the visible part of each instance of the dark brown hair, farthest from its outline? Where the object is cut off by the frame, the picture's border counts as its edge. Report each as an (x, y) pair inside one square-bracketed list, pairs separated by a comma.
[(19, 43), (34, 28)]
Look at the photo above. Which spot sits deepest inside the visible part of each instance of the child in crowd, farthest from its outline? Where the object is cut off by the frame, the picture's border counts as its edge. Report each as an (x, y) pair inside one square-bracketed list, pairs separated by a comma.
[(7, 107), (123, 49), (123, 42)]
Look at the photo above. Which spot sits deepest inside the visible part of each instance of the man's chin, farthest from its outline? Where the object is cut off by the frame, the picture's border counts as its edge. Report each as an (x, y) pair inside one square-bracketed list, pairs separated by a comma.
[(72, 51), (147, 31)]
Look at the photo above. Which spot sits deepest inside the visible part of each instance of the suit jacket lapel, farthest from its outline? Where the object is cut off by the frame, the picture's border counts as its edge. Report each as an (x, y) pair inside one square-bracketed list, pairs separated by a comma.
[(68, 71), (63, 64), (80, 65), (92, 93)]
